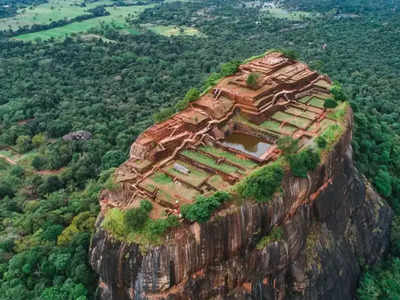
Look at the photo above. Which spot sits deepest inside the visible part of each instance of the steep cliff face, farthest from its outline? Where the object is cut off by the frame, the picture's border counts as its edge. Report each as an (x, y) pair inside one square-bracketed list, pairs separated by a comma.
[(333, 222)]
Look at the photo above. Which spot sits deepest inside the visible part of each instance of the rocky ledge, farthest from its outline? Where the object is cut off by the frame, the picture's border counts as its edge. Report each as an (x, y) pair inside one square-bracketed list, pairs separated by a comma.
[(332, 223)]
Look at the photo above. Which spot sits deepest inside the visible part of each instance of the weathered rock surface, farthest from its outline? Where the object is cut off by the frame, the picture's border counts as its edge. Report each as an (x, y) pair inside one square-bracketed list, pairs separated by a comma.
[(333, 223)]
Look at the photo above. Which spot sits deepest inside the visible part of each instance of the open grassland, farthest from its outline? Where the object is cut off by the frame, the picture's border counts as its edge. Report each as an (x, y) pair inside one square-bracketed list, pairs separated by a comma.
[(46, 13), (172, 30), (117, 19), (282, 13)]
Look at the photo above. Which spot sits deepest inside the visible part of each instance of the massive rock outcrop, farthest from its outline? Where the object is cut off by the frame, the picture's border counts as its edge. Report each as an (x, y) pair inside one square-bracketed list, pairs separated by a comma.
[(333, 222)]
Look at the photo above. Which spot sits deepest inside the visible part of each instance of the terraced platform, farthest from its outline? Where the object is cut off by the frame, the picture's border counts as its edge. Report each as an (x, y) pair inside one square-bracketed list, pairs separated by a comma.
[(225, 135)]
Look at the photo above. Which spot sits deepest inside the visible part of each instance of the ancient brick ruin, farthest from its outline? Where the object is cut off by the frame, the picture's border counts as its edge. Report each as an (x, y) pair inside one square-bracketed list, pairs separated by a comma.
[(224, 135)]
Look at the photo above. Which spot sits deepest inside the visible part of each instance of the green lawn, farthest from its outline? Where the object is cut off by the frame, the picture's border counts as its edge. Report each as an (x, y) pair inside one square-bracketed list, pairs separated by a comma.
[(304, 99), (172, 30), (54, 10), (282, 13), (296, 121), (316, 102), (116, 19), (208, 161), (246, 163), (196, 176)]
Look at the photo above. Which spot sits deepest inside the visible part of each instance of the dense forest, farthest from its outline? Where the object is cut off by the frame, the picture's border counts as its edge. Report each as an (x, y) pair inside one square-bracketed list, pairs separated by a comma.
[(112, 89)]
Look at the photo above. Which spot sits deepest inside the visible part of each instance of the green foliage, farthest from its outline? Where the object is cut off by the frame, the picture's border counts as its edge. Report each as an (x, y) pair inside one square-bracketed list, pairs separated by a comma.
[(383, 183), (330, 103), (83, 222), (275, 235), (230, 68), (262, 183), (163, 114), (192, 95), (112, 159), (38, 140), (251, 80), (338, 93), (288, 145), (302, 162), (202, 209), (321, 142), (24, 143), (39, 162), (160, 226), (382, 282), (135, 218)]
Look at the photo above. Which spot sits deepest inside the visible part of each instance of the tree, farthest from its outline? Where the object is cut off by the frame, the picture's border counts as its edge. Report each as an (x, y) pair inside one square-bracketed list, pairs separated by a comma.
[(24, 143), (330, 103), (39, 162), (113, 158), (38, 140), (383, 183), (288, 145)]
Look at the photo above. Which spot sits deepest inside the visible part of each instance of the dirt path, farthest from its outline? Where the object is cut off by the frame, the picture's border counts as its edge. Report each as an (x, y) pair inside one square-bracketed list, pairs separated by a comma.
[(42, 172), (7, 159)]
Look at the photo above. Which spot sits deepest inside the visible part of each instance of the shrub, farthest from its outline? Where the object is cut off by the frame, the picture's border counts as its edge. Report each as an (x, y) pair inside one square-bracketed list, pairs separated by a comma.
[(160, 226), (135, 218), (230, 68), (112, 158), (263, 183), (251, 80), (39, 162), (24, 143), (288, 145), (321, 142), (274, 236), (17, 171), (330, 103), (338, 93), (303, 162), (146, 205), (163, 115), (202, 209)]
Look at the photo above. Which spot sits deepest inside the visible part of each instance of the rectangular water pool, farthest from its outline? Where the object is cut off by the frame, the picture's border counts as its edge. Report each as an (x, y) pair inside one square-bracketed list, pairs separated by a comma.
[(246, 143)]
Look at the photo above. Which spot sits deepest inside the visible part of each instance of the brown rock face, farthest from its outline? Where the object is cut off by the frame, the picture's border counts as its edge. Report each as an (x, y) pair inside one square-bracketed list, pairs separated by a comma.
[(333, 223)]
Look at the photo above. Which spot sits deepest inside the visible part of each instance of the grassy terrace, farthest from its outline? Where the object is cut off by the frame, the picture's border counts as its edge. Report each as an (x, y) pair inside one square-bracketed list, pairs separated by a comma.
[(301, 113), (171, 191), (248, 164), (296, 121), (276, 126), (195, 178), (316, 102), (218, 183), (208, 161)]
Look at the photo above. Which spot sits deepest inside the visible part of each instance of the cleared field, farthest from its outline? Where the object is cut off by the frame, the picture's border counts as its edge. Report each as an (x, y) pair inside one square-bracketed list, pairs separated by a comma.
[(46, 13), (296, 121), (172, 30), (196, 176), (208, 161), (117, 19), (316, 102), (282, 13), (229, 156)]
